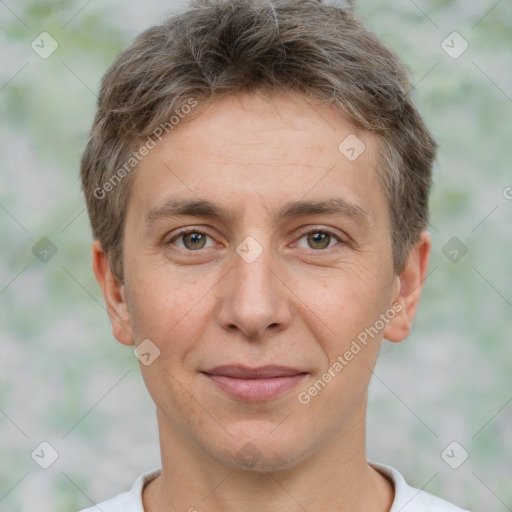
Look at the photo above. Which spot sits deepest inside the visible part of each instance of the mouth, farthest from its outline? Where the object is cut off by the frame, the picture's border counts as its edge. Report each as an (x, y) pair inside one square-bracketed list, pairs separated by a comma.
[(254, 384)]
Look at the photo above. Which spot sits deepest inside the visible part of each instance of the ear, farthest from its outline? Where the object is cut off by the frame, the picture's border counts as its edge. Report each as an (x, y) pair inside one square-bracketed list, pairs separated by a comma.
[(114, 294), (408, 295)]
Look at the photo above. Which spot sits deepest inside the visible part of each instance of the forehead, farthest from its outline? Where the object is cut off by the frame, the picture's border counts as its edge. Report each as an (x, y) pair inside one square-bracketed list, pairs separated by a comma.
[(252, 149)]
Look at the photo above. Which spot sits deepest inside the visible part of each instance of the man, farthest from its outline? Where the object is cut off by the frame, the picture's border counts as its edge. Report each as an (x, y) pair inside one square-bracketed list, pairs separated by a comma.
[(257, 182)]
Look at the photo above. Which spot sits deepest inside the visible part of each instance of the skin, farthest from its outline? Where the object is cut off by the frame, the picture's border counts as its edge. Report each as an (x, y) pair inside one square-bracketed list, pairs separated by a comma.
[(300, 303)]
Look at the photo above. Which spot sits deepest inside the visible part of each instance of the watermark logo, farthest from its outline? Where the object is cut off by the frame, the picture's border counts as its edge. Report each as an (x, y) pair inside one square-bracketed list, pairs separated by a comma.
[(352, 147), (454, 455), (146, 352), (44, 455), (454, 45), (44, 250), (249, 249), (344, 359), (454, 249), (144, 150), (44, 45), (249, 455)]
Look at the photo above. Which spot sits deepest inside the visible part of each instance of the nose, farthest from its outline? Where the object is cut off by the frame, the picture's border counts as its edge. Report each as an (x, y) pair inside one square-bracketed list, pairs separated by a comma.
[(254, 297)]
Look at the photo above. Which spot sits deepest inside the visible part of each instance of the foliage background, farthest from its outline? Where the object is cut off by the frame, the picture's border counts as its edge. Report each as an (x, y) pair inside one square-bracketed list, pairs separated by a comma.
[(65, 380)]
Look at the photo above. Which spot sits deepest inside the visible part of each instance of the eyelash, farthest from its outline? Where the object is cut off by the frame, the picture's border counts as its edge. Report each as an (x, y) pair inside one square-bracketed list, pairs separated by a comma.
[(189, 231)]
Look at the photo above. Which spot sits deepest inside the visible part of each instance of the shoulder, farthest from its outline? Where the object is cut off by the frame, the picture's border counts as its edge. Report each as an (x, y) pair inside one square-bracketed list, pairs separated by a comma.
[(410, 499), (129, 501)]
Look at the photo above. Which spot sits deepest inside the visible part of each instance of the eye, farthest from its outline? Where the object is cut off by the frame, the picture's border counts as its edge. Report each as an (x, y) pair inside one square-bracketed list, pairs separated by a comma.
[(192, 240), (319, 239)]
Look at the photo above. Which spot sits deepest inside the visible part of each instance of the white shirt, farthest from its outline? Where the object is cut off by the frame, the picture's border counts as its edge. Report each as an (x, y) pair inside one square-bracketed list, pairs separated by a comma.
[(407, 498)]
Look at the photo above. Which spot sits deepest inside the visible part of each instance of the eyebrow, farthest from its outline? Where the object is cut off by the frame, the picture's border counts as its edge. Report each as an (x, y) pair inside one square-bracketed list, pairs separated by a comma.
[(176, 207)]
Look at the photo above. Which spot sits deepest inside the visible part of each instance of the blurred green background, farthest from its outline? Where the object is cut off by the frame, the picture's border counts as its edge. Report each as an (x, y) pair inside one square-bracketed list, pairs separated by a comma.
[(65, 380)]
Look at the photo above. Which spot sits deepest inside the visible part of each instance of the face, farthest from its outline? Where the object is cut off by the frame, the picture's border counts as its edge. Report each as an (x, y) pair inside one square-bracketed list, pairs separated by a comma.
[(258, 262)]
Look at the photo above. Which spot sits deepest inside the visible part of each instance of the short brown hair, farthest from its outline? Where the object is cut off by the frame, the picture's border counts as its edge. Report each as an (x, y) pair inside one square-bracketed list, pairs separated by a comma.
[(222, 47)]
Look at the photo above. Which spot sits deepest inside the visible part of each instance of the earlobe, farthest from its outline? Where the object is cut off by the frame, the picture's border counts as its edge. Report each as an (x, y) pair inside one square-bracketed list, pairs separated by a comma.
[(114, 295), (409, 290)]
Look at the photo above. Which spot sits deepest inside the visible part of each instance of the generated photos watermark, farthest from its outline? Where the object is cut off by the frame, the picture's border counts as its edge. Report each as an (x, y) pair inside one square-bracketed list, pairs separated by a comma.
[(137, 156), (343, 360)]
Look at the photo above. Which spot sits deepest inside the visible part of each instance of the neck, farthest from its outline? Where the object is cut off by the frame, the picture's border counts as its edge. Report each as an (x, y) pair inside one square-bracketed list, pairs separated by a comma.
[(336, 477)]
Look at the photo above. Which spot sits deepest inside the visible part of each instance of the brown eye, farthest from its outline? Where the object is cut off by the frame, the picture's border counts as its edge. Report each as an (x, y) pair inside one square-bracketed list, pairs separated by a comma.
[(190, 240), (319, 239), (194, 240)]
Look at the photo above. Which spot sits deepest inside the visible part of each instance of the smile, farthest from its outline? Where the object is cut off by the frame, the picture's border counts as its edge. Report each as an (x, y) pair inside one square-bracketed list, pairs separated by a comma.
[(254, 385)]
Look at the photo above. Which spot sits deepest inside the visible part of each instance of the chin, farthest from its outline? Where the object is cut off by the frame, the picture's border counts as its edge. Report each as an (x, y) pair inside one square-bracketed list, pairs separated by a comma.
[(263, 454)]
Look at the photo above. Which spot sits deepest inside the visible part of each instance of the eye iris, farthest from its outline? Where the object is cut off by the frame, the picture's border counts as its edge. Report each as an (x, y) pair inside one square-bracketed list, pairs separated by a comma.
[(197, 240), (319, 237)]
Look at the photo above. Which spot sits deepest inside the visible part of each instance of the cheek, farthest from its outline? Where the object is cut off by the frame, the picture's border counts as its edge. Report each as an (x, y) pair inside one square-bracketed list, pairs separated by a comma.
[(340, 304), (346, 309), (164, 307)]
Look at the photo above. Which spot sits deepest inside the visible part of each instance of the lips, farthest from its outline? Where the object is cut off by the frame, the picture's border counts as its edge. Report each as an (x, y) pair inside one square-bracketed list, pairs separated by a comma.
[(254, 384), (263, 372)]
